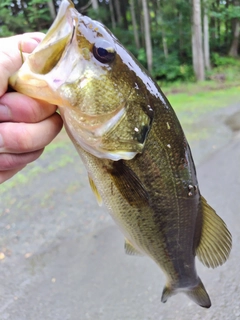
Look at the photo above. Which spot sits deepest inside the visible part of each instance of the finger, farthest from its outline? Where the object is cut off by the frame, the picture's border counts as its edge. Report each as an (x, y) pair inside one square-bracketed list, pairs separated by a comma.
[(10, 56), (29, 41), (11, 161), (17, 107), (28, 137), (5, 175)]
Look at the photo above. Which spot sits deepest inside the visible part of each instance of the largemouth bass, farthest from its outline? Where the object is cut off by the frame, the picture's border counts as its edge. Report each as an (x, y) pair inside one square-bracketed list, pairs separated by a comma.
[(137, 157)]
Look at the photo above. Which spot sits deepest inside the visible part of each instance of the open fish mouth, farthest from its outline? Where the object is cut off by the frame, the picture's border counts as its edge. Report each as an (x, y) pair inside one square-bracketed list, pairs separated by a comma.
[(47, 56)]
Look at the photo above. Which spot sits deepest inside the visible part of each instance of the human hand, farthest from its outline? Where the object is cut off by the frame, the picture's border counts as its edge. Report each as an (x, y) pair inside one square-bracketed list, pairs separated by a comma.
[(26, 125)]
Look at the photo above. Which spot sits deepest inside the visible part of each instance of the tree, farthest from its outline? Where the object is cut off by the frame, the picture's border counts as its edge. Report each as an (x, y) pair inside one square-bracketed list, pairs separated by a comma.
[(197, 48), (51, 7), (147, 35), (161, 25), (206, 37), (112, 14), (118, 11), (233, 52), (95, 4), (134, 24)]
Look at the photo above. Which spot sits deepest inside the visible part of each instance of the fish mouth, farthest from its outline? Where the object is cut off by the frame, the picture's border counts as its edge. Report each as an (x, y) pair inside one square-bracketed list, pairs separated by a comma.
[(35, 73)]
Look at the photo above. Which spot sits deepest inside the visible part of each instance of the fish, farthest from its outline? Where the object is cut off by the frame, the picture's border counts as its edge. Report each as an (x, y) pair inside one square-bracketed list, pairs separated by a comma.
[(129, 138)]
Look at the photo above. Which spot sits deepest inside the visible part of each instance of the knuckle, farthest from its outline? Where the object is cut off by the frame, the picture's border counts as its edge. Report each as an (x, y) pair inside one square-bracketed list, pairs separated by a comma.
[(16, 138), (24, 139), (8, 161)]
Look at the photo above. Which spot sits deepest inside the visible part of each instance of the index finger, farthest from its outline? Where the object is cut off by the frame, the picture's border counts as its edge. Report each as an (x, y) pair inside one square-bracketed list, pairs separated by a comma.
[(10, 57)]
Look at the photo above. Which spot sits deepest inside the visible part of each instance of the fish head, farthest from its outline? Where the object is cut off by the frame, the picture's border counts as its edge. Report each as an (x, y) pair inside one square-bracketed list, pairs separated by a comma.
[(81, 67)]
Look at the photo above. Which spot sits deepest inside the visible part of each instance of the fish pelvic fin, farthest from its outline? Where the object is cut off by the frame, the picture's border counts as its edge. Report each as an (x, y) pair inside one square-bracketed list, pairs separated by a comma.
[(198, 294), (216, 241), (95, 191)]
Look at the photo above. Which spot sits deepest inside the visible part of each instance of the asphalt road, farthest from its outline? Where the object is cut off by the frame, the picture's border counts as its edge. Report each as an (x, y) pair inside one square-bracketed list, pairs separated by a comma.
[(64, 259)]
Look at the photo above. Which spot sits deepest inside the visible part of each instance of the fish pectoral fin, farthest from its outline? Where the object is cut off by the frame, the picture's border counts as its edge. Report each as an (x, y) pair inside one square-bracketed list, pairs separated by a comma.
[(198, 294), (130, 249), (129, 185), (95, 191), (216, 241)]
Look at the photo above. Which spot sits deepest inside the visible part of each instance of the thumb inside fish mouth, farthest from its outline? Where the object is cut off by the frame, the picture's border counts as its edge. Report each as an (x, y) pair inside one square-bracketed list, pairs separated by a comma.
[(47, 54)]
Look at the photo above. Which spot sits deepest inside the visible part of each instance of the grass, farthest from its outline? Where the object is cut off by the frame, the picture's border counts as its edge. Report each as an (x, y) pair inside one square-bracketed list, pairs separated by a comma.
[(193, 102)]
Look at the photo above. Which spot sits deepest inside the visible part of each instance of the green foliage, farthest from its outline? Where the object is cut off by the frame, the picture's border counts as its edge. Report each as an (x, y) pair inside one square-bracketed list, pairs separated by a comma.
[(127, 39), (226, 13), (142, 57), (17, 17), (225, 68), (38, 14), (170, 69), (100, 15), (224, 61)]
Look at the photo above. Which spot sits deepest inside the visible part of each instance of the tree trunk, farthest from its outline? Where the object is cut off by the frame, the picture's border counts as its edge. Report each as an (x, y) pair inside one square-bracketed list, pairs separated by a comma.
[(112, 14), (124, 11), (147, 35), (180, 35), (206, 38), (226, 38), (118, 11), (161, 26), (218, 25), (134, 23), (139, 14), (233, 52), (95, 4), (197, 48), (51, 7)]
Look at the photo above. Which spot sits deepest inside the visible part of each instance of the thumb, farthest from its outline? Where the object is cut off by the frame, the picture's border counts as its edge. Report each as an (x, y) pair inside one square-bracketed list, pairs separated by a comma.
[(10, 56)]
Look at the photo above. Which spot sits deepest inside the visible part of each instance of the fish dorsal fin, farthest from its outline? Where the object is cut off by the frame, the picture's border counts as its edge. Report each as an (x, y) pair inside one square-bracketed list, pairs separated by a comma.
[(130, 249), (216, 241), (95, 190)]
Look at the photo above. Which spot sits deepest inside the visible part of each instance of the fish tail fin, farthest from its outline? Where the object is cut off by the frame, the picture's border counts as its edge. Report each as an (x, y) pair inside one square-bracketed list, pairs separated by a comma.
[(167, 293), (198, 294)]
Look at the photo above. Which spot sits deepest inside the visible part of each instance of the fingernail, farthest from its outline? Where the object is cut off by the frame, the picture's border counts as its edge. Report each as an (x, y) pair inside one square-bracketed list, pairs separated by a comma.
[(5, 113)]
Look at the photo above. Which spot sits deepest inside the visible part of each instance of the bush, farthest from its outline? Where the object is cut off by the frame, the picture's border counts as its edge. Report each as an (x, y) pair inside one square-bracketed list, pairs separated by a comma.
[(220, 61), (171, 69), (225, 67)]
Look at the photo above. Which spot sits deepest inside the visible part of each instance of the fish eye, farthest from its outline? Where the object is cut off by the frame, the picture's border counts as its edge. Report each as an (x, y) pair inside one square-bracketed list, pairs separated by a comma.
[(103, 51)]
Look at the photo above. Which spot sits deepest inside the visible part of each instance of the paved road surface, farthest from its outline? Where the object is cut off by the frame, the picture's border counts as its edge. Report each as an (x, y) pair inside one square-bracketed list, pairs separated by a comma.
[(64, 256)]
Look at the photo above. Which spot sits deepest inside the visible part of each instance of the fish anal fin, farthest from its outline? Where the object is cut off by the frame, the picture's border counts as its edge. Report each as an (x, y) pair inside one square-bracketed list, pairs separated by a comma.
[(216, 241), (95, 190), (130, 249)]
